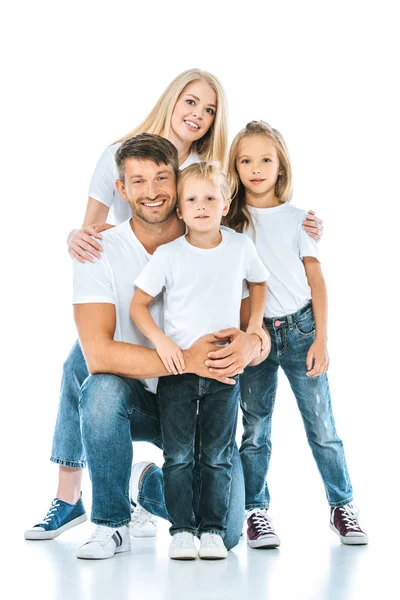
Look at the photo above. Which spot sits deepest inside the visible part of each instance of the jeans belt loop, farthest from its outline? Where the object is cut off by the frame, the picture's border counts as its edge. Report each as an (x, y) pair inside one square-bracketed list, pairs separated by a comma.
[(290, 321)]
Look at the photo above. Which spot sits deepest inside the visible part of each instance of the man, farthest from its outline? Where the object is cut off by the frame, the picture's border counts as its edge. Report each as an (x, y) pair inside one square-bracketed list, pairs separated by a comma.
[(118, 403)]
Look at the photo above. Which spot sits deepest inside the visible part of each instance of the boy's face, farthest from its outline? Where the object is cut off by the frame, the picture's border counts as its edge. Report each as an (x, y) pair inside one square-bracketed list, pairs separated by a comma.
[(201, 205)]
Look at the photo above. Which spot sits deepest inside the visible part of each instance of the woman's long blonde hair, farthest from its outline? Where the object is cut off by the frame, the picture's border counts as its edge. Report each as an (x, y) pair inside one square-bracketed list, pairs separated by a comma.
[(213, 145), (239, 217)]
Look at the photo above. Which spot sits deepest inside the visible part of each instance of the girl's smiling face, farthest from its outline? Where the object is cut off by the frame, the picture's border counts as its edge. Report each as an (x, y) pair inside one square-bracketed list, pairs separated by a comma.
[(257, 163), (194, 112)]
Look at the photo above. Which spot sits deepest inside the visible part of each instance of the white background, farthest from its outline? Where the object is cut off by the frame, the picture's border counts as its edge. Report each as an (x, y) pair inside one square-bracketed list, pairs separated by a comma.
[(78, 75)]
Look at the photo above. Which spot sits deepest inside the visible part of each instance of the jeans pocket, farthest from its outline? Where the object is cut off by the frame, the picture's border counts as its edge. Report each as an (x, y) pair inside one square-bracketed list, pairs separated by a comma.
[(305, 326)]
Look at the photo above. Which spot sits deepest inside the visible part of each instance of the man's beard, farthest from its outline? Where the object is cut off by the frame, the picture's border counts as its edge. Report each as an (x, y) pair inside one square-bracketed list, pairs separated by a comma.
[(150, 217)]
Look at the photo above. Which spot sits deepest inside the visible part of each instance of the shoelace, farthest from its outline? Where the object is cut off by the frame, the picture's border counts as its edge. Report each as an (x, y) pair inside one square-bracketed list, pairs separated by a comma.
[(50, 513), (350, 517), (213, 540), (262, 522), (183, 539), (141, 515), (101, 534)]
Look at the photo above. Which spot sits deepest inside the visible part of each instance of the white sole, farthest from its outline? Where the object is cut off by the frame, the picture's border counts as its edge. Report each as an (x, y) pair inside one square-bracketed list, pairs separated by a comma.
[(87, 557), (33, 534), (353, 540), (205, 556), (150, 534), (271, 542)]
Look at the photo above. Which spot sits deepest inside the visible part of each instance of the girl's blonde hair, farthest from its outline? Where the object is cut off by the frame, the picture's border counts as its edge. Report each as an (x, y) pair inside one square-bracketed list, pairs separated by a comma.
[(239, 217), (213, 145), (210, 171)]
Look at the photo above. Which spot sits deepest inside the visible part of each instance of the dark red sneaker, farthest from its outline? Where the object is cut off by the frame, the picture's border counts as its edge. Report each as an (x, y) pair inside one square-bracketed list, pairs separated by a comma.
[(260, 531), (344, 522)]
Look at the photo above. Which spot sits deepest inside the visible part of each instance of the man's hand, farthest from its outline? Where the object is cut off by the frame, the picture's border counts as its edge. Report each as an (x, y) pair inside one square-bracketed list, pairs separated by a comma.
[(196, 356), (232, 359), (313, 225), (317, 356)]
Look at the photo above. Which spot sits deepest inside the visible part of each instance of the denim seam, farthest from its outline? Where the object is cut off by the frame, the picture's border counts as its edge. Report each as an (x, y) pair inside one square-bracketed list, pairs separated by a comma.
[(68, 463), (259, 505), (341, 503), (109, 524), (309, 334), (129, 413)]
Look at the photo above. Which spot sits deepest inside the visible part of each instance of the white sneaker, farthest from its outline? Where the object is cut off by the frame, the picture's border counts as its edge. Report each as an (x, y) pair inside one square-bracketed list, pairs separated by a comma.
[(212, 546), (143, 524), (182, 546), (105, 542)]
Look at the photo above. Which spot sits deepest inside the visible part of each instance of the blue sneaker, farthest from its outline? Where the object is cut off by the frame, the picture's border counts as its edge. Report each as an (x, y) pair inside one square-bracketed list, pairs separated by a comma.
[(60, 517)]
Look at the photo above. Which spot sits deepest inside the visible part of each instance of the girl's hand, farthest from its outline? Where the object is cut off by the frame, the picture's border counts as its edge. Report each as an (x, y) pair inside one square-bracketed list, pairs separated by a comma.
[(264, 337), (317, 354), (171, 355), (313, 225), (82, 243)]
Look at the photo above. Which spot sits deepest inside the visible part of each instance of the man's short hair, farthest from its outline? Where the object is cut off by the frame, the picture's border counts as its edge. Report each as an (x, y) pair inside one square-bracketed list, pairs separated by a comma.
[(147, 146)]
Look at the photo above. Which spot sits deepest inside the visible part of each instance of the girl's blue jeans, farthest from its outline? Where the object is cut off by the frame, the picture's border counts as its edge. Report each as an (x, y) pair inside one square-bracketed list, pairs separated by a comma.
[(291, 338), (98, 418)]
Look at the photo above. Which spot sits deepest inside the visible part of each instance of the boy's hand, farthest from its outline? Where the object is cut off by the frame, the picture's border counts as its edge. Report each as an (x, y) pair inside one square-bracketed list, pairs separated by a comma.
[(317, 354), (171, 355), (264, 337)]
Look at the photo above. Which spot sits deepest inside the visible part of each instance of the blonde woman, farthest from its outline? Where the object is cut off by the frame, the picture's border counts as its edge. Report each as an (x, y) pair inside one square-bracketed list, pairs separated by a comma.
[(192, 114)]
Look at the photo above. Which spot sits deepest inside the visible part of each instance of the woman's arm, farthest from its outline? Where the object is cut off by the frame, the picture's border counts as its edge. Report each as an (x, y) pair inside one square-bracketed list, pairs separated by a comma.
[(167, 350), (313, 225), (82, 243), (317, 358)]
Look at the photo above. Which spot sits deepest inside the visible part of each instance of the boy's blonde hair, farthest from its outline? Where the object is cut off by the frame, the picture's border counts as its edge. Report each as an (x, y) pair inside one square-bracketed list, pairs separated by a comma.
[(213, 145), (239, 217), (210, 171)]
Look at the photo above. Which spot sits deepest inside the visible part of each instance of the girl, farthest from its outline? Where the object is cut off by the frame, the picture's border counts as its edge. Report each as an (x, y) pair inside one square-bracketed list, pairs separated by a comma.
[(296, 318)]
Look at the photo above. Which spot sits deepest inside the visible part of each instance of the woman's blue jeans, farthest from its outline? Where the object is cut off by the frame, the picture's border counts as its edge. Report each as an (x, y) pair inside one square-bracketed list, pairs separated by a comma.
[(98, 418)]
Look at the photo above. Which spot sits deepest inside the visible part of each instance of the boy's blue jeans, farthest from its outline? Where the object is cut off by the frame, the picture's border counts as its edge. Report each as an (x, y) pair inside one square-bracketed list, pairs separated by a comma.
[(291, 338), (105, 398), (190, 407)]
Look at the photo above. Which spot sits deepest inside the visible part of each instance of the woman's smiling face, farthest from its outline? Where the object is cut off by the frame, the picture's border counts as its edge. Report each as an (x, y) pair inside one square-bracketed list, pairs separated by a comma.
[(194, 112)]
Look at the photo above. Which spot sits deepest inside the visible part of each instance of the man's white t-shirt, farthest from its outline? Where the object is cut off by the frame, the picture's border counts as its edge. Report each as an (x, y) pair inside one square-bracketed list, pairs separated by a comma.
[(202, 287), (102, 186), (281, 243), (110, 280)]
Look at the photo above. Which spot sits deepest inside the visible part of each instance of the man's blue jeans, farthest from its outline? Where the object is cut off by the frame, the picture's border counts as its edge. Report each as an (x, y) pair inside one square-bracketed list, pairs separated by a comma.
[(191, 406), (291, 338), (68, 449)]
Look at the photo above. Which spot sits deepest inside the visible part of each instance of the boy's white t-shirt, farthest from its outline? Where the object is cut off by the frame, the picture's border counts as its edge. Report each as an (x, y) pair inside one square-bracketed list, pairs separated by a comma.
[(110, 280), (281, 243), (102, 186), (202, 287)]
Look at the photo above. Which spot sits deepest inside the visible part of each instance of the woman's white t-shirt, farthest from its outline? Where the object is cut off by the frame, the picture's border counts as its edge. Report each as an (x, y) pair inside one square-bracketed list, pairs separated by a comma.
[(102, 186)]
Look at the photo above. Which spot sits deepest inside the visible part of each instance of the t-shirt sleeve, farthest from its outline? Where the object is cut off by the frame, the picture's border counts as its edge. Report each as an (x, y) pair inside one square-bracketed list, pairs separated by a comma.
[(307, 246), (92, 283), (256, 271), (153, 278), (102, 185)]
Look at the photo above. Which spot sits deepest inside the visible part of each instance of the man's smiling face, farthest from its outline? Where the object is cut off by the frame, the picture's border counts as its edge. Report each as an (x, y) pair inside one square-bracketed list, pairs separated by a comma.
[(150, 190)]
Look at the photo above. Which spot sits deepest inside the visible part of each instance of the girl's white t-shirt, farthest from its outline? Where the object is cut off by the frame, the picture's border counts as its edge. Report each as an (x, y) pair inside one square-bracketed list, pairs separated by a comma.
[(102, 186), (203, 288), (282, 243)]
